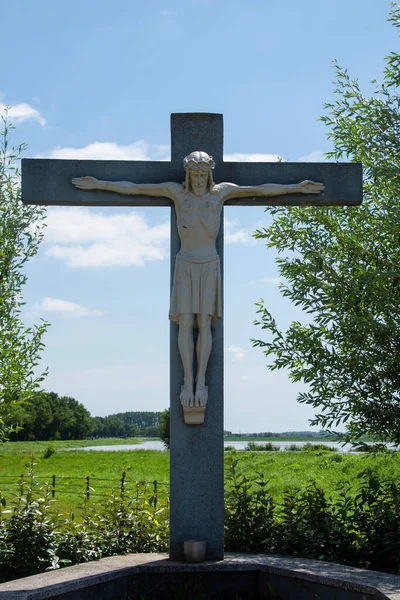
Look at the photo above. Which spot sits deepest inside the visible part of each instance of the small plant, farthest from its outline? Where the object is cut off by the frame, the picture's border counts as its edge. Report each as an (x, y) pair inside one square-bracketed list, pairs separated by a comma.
[(48, 451), (27, 539)]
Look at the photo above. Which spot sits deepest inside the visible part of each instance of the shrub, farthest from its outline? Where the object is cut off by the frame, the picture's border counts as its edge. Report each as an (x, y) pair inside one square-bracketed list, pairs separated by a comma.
[(318, 448), (249, 512), (294, 448), (48, 451), (28, 539), (230, 449), (267, 447)]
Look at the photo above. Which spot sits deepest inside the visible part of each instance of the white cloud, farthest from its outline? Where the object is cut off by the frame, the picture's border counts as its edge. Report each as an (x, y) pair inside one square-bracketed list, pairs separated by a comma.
[(140, 150), (237, 353), (240, 157), (167, 13), (235, 235), (83, 237), (315, 156), (65, 308), (22, 112), (271, 280)]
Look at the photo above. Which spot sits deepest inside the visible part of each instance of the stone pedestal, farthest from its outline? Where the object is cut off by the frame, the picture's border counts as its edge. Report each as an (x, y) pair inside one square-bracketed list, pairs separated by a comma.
[(194, 415)]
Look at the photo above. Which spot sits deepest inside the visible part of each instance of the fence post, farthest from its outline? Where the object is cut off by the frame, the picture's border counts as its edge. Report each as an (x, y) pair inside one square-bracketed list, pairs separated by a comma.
[(155, 493), (53, 483), (87, 487), (123, 484)]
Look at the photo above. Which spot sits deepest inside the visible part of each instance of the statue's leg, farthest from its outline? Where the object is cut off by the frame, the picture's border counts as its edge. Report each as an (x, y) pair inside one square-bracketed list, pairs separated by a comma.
[(203, 351), (186, 349)]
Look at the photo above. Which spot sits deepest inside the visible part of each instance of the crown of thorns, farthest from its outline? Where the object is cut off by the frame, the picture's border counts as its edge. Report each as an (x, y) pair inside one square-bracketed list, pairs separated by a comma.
[(198, 161)]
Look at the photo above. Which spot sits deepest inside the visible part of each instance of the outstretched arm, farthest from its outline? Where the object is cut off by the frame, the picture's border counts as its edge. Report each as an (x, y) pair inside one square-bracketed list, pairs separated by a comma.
[(272, 189), (126, 187)]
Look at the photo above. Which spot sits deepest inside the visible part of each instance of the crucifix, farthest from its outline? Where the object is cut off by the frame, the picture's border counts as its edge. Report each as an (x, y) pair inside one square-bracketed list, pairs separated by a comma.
[(196, 369)]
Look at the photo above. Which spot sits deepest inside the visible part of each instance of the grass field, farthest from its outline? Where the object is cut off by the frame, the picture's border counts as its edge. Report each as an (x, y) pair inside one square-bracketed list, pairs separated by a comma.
[(37, 447), (283, 470)]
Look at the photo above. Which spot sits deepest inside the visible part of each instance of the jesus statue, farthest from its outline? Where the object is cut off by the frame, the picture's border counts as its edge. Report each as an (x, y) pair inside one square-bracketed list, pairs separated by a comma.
[(196, 299)]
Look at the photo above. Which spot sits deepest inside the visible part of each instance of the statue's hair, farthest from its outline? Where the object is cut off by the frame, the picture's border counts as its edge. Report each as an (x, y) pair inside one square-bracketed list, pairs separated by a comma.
[(198, 161)]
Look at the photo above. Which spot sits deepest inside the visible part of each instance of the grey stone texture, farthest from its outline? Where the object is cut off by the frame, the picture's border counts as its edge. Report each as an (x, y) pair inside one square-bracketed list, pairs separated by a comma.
[(197, 451), (263, 576)]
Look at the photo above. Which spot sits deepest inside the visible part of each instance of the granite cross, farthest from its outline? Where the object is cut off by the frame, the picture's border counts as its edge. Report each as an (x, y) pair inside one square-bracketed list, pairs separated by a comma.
[(197, 467)]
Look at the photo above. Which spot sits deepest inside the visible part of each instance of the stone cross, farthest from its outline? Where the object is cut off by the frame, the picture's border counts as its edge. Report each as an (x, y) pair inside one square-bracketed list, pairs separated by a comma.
[(197, 466)]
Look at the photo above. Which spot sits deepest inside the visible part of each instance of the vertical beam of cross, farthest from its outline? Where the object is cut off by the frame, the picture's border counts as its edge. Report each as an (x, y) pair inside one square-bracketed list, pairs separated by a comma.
[(197, 452)]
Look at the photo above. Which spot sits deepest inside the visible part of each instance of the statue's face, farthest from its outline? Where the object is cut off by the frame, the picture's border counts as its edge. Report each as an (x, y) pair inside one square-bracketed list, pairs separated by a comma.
[(198, 181)]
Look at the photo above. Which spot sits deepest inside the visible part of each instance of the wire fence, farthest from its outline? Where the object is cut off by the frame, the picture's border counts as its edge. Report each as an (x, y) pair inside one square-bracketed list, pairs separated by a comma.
[(87, 487)]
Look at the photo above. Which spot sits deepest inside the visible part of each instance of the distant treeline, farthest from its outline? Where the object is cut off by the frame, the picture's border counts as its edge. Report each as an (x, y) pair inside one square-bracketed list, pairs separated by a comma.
[(285, 435), (127, 424), (48, 416)]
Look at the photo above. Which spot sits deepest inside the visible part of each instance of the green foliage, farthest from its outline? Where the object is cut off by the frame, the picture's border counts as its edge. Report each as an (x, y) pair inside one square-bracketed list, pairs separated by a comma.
[(249, 512), (48, 451), (164, 427), (268, 447), (21, 230), (27, 538), (342, 267), (360, 529), (127, 424), (318, 448), (47, 416)]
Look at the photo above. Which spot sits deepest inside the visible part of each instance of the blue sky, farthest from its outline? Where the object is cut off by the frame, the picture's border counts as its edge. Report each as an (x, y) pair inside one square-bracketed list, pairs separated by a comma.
[(94, 79)]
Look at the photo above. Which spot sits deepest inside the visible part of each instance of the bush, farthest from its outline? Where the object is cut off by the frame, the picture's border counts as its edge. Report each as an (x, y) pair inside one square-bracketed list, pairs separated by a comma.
[(318, 448), (249, 513), (294, 448), (361, 529), (28, 539), (267, 447), (48, 451)]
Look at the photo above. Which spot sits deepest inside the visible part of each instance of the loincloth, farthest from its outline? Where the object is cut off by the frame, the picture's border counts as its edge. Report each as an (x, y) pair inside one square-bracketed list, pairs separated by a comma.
[(196, 288)]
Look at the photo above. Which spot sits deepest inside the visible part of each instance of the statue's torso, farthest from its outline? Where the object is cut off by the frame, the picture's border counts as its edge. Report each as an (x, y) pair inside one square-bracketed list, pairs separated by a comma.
[(198, 224)]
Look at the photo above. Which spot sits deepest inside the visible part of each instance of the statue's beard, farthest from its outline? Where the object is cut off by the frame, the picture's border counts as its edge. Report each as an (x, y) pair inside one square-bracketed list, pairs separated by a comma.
[(199, 190)]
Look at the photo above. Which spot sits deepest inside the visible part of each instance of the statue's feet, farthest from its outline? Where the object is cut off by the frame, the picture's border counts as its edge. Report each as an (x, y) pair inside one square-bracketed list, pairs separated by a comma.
[(201, 395), (186, 396)]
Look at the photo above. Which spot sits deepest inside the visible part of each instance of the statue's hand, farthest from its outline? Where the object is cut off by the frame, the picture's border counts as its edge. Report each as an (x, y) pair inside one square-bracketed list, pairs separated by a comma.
[(85, 183), (311, 187)]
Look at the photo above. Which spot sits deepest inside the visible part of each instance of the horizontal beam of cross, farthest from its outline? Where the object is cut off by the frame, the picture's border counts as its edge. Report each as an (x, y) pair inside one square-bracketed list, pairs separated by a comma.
[(48, 181)]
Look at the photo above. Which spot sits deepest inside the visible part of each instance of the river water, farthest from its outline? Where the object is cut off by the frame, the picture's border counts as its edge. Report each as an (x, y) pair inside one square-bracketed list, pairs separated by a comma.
[(239, 445)]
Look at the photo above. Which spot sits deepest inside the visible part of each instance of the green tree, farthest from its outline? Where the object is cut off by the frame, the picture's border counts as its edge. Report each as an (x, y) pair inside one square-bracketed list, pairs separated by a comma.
[(164, 427), (342, 266), (21, 230), (48, 416)]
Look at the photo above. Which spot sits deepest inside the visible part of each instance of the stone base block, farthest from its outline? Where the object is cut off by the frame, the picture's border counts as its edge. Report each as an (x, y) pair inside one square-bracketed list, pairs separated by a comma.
[(194, 415)]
